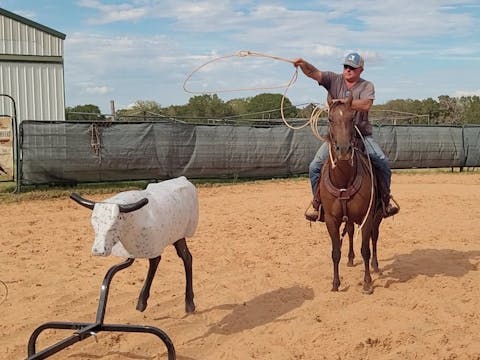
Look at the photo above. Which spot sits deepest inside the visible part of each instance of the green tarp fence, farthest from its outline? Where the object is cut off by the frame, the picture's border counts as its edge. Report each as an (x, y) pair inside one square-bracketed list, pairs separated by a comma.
[(75, 152)]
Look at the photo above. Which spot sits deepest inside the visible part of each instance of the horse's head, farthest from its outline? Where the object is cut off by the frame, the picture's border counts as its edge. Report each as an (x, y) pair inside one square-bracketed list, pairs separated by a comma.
[(341, 128)]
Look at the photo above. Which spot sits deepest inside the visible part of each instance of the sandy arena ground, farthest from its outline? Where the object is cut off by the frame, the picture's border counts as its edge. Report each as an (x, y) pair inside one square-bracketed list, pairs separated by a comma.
[(262, 279)]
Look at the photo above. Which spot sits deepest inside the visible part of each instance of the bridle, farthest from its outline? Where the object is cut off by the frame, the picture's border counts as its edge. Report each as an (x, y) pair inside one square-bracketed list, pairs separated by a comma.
[(345, 194), (333, 143)]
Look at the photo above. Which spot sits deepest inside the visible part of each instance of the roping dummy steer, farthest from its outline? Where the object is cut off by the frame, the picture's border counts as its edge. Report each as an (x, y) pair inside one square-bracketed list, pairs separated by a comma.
[(141, 223)]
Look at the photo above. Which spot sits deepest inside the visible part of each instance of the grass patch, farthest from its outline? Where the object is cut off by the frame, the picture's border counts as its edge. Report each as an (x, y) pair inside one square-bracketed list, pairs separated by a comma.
[(45, 192)]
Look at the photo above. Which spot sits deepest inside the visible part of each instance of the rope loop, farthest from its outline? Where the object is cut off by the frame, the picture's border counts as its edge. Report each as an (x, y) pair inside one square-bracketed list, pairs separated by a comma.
[(316, 113)]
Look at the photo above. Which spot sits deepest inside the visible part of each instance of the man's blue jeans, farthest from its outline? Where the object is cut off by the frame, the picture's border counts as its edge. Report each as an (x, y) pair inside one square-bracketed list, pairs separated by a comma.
[(377, 156)]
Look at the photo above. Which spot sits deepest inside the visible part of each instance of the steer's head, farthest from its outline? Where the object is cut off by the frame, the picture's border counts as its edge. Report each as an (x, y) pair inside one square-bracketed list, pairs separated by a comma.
[(107, 222)]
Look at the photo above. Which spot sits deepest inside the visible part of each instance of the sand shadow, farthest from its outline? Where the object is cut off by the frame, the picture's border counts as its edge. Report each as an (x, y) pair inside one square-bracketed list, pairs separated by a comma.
[(429, 262), (117, 354), (127, 355), (261, 310)]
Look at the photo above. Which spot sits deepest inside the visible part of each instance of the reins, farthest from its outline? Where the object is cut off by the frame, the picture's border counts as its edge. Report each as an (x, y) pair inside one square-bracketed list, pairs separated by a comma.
[(312, 121), (370, 168), (372, 189)]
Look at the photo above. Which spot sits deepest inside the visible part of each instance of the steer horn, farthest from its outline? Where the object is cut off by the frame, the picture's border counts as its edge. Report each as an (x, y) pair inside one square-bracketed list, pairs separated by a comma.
[(84, 202), (126, 208)]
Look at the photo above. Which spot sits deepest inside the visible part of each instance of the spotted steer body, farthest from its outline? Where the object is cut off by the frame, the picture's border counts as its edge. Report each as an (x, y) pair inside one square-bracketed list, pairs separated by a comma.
[(140, 224), (171, 214)]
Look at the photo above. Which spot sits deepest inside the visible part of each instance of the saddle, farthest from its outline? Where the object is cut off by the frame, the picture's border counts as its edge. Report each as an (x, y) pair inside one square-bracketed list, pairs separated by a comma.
[(344, 195)]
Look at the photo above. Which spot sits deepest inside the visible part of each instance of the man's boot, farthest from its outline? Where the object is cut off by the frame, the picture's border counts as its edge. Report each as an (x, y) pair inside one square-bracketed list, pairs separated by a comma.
[(313, 212), (388, 208)]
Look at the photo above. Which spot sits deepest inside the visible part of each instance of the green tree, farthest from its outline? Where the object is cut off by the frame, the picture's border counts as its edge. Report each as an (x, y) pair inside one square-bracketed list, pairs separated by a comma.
[(451, 109), (239, 106), (84, 112), (471, 109), (141, 109), (307, 111), (145, 106), (207, 106), (267, 106)]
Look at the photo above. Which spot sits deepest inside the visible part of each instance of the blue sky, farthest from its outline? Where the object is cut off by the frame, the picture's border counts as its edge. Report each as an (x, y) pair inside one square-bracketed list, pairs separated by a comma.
[(145, 49)]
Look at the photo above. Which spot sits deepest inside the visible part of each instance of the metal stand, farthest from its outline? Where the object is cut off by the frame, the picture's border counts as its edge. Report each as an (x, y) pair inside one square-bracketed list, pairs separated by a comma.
[(85, 330)]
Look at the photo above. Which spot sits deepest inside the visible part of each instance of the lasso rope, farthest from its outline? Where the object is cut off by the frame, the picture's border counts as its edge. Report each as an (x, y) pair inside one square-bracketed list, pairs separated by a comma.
[(312, 121), (372, 189), (316, 113), (242, 53)]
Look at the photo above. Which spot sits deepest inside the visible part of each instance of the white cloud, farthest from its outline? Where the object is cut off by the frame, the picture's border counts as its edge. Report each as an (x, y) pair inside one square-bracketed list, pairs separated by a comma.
[(184, 34), (460, 93), (114, 13), (100, 90)]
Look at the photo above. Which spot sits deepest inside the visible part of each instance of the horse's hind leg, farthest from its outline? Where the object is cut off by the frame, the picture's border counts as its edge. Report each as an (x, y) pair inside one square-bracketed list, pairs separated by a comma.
[(145, 292), (186, 256)]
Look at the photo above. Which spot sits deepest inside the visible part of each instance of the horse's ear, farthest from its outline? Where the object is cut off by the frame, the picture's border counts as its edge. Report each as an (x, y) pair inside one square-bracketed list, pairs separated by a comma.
[(329, 100), (349, 100)]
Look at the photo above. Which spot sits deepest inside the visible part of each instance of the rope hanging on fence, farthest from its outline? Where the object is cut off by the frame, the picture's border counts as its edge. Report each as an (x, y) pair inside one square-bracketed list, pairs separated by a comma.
[(316, 113)]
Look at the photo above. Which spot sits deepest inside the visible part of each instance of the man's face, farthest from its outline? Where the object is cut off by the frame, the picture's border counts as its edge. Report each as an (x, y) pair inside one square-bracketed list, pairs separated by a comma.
[(351, 74)]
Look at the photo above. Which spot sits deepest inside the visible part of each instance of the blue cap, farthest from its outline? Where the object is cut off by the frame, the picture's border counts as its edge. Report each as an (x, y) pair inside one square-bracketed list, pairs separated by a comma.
[(354, 60)]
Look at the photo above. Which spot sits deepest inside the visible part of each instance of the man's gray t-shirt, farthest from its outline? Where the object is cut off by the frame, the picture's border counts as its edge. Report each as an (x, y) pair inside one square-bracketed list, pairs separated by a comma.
[(363, 89)]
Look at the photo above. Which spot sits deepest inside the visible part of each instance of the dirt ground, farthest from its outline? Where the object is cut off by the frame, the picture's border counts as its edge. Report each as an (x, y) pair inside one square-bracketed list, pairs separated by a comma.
[(262, 279)]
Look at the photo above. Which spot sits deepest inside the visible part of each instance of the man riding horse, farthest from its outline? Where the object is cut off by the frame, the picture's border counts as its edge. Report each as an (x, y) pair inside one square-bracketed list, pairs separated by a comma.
[(340, 87)]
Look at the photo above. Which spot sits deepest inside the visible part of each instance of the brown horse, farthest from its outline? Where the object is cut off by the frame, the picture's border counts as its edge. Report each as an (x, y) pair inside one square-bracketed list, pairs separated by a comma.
[(347, 190)]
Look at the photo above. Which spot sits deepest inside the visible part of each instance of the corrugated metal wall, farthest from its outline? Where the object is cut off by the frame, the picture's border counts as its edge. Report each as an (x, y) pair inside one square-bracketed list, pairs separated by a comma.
[(37, 89), (22, 39), (37, 85)]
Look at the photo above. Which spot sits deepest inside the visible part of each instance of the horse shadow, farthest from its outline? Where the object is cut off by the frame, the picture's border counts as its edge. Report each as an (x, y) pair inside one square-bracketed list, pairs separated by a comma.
[(429, 262), (261, 310)]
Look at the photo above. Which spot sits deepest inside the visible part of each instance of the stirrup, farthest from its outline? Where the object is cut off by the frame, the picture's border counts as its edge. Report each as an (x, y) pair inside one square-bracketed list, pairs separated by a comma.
[(392, 210), (314, 215)]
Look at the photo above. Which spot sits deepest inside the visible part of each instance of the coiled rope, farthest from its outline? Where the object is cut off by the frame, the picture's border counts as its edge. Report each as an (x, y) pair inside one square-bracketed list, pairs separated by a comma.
[(312, 121)]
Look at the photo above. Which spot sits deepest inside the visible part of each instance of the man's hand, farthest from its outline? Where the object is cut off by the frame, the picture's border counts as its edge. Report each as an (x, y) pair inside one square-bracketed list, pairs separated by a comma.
[(308, 69)]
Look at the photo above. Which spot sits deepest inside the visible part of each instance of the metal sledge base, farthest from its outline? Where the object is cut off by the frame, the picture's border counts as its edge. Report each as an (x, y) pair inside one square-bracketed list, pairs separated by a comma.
[(85, 330)]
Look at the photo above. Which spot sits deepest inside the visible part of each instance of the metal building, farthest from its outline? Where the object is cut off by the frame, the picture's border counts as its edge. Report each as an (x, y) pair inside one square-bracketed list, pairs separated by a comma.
[(31, 69)]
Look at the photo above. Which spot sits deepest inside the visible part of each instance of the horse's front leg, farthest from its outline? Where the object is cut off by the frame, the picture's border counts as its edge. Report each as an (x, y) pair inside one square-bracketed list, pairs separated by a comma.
[(375, 234), (334, 232), (351, 252), (367, 280), (374, 251), (145, 292)]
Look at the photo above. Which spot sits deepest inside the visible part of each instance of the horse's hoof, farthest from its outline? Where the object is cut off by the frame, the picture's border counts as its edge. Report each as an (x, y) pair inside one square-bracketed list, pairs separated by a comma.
[(141, 305), (367, 289), (189, 308)]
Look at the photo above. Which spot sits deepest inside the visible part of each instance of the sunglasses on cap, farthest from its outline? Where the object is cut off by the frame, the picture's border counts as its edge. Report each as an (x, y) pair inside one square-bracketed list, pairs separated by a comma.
[(345, 67)]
